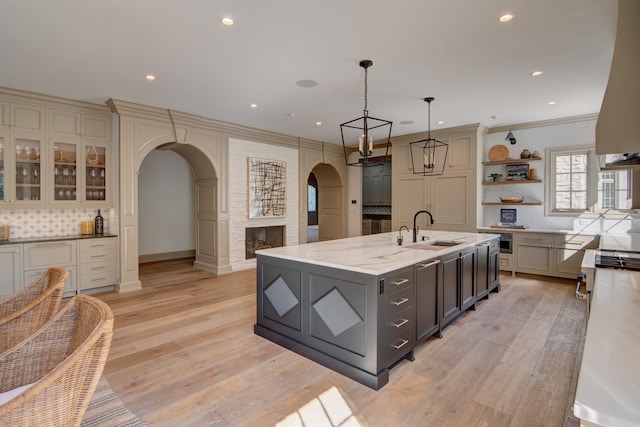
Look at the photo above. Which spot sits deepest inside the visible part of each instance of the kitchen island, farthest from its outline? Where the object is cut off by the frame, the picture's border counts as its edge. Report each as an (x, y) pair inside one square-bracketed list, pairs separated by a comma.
[(359, 305)]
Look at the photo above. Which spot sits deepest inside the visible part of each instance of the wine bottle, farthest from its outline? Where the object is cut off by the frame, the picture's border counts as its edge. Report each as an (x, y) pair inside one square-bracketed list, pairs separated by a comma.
[(99, 225)]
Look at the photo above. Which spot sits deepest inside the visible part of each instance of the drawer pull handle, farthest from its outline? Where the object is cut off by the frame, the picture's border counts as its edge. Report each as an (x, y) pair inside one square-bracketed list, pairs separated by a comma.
[(400, 323), (429, 264), (98, 256), (400, 301), (400, 282), (532, 239), (102, 267), (98, 246), (399, 346), (99, 279)]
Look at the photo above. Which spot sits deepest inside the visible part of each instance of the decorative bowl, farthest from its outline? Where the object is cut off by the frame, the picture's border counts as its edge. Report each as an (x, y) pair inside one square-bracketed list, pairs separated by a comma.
[(511, 199)]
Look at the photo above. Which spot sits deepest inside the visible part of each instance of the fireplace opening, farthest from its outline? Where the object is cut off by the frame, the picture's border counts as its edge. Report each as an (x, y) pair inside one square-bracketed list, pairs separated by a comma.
[(262, 238)]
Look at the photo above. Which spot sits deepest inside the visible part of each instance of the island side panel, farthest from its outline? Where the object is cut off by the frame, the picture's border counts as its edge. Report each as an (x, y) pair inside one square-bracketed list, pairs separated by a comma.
[(328, 315)]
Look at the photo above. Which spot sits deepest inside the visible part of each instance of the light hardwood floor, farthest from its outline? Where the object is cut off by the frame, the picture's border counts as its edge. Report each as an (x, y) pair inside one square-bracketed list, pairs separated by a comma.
[(184, 353)]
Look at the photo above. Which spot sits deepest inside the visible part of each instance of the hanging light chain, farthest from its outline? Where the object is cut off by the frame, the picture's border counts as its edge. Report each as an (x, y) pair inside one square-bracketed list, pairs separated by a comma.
[(366, 111)]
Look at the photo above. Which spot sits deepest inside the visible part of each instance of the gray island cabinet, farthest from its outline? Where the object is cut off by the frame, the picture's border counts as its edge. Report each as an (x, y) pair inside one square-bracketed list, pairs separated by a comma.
[(358, 305)]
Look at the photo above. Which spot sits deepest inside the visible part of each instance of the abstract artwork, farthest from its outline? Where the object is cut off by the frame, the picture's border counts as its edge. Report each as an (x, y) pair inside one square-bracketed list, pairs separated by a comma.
[(267, 185)]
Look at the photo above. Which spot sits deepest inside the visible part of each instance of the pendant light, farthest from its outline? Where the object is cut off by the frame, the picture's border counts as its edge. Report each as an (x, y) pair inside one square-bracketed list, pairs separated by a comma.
[(511, 138), (428, 156), (358, 135)]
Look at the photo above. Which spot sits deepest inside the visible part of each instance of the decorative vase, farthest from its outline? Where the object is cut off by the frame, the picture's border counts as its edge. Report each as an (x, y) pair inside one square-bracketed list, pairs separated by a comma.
[(525, 154), (535, 155)]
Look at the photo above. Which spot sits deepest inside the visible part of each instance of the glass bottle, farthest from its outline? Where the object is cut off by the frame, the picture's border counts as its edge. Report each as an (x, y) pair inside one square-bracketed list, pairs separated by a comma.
[(99, 225)]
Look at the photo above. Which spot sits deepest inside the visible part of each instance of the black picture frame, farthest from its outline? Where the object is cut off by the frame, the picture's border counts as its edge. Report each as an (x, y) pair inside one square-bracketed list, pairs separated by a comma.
[(519, 172), (508, 216)]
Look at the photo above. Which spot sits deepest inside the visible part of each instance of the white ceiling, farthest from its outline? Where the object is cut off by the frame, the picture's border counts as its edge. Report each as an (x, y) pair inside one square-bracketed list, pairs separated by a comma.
[(453, 50)]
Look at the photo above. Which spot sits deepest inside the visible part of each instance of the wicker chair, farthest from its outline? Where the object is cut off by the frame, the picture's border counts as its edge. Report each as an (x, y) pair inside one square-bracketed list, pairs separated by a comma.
[(54, 373), (27, 310)]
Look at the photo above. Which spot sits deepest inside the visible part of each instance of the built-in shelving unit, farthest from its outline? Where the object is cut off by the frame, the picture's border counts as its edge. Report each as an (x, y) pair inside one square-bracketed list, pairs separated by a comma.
[(511, 181)]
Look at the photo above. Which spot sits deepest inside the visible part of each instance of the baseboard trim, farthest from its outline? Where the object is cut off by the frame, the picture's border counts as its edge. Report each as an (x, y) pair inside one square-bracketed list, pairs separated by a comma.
[(190, 253)]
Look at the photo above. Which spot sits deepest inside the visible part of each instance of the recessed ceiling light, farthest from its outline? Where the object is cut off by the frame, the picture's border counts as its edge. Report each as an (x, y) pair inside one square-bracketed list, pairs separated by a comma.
[(318, 123), (227, 21), (407, 122), (291, 114), (150, 77), (506, 17), (307, 83), (536, 73), (254, 105), (440, 122), (551, 103)]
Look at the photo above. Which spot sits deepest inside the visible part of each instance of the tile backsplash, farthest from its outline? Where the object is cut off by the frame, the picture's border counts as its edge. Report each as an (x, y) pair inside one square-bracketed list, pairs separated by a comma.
[(51, 222)]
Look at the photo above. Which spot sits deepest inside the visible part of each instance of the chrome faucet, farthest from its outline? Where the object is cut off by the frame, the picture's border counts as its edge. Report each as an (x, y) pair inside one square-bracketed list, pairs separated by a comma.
[(415, 226), (400, 239)]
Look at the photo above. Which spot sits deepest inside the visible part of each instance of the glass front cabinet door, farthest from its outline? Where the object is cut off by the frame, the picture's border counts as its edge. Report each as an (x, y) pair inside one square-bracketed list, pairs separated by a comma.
[(80, 173), (20, 170)]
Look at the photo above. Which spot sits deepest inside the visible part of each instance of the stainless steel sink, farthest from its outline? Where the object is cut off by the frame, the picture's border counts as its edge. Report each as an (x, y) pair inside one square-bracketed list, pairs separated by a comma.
[(432, 245), (446, 243)]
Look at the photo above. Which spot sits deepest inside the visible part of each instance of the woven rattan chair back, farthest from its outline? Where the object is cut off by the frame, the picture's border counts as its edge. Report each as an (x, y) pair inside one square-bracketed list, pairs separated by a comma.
[(61, 364), (27, 310)]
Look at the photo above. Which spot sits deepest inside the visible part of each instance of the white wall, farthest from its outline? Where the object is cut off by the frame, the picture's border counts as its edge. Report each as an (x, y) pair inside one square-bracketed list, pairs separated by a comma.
[(239, 152), (166, 204), (563, 135)]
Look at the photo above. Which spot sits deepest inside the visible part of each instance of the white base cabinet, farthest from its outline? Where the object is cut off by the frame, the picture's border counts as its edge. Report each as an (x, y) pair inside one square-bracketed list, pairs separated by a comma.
[(97, 267), (11, 268), (551, 254), (91, 262), (40, 256)]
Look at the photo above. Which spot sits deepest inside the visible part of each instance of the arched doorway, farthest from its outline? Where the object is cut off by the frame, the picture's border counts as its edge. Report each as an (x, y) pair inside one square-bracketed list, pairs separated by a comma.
[(312, 209), (167, 207), (330, 202)]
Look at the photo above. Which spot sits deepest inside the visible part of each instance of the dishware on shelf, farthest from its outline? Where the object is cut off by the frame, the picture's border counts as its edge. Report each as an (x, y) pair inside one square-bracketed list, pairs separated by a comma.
[(511, 199), (498, 153)]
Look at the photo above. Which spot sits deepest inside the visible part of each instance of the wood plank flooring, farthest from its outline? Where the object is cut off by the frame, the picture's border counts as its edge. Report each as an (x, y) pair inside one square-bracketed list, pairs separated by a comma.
[(184, 353)]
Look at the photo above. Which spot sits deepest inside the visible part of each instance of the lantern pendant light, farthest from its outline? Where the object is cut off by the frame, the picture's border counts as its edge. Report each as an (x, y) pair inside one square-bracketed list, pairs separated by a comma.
[(359, 135), (428, 156)]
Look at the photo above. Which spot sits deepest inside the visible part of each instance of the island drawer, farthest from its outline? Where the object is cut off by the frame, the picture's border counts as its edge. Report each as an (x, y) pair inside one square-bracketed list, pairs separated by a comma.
[(398, 281), (400, 334), (400, 325), (399, 301)]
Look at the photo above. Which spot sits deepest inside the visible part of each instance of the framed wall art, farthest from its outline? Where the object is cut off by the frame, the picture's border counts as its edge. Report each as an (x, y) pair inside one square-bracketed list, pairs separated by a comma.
[(267, 188), (519, 172), (508, 216)]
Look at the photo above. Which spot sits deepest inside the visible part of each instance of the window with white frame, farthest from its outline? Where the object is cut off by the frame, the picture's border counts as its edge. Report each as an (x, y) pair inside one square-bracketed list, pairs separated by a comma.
[(575, 185)]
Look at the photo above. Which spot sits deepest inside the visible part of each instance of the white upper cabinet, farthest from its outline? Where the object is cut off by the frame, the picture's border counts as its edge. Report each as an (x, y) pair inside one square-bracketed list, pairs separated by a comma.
[(68, 123), (461, 153), (53, 152), (18, 116)]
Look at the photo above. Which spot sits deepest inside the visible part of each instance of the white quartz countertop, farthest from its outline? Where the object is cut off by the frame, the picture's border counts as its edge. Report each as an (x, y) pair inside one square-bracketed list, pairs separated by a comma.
[(620, 242), (535, 230), (608, 391), (377, 253)]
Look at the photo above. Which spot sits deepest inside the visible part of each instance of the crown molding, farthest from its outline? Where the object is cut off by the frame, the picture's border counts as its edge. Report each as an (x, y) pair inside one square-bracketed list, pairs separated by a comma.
[(544, 123)]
